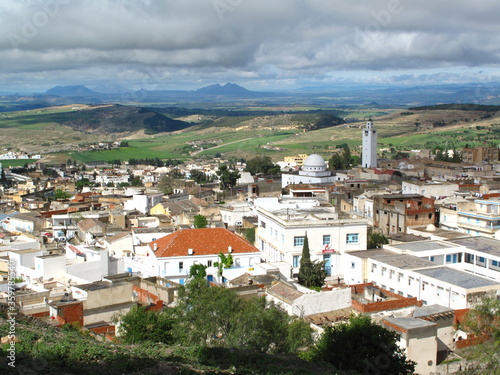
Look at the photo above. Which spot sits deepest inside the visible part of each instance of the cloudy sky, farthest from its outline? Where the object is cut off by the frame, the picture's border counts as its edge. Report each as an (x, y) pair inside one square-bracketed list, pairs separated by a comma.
[(259, 44)]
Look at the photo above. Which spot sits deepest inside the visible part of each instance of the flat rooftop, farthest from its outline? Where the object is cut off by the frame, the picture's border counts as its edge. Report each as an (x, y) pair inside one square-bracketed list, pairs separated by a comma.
[(431, 310), (409, 324), (461, 279), (424, 246), (486, 245), (370, 253), (404, 261)]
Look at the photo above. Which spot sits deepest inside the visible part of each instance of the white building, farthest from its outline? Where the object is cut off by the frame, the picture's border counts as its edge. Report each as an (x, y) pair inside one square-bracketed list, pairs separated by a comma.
[(142, 202), (173, 255), (430, 189), (65, 226), (314, 171), (232, 213), (412, 276), (369, 146), (476, 255), (284, 224), (301, 301)]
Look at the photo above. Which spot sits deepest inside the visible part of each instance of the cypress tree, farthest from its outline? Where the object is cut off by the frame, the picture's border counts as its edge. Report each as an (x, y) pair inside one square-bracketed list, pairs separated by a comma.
[(311, 274)]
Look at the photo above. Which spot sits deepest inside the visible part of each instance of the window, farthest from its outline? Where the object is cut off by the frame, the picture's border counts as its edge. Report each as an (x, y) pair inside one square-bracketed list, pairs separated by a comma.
[(400, 276), (298, 241), (481, 259), (181, 266), (448, 258), (424, 284), (326, 239), (209, 263), (391, 274), (382, 271), (374, 267), (494, 263), (432, 259), (296, 261), (263, 224), (282, 238), (353, 265), (352, 238)]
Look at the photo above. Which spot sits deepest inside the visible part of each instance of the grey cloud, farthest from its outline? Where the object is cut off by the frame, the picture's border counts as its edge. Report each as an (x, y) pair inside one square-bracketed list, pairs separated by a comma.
[(257, 39)]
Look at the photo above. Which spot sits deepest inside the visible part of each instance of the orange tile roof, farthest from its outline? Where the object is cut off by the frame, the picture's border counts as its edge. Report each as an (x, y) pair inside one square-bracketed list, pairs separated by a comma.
[(203, 241)]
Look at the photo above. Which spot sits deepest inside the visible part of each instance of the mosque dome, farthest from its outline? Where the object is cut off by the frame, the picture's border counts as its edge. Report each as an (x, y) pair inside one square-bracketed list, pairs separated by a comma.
[(314, 163)]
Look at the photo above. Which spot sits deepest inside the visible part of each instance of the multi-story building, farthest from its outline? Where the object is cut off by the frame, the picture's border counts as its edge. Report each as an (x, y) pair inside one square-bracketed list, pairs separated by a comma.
[(173, 255), (284, 224), (483, 220), (393, 213), (412, 276), (430, 189)]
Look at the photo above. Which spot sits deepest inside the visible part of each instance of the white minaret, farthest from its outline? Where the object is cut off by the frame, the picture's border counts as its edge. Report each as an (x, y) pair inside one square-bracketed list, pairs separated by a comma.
[(369, 145)]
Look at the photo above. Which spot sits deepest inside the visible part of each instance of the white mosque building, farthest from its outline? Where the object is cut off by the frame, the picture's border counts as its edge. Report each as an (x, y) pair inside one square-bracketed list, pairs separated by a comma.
[(313, 171)]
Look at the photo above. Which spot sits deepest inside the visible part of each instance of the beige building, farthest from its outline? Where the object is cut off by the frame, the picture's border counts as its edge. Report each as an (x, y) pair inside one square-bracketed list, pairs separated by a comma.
[(417, 337)]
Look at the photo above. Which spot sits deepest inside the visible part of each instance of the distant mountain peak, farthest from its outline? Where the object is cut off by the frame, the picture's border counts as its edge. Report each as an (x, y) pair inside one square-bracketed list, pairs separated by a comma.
[(75, 90), (228, 89)]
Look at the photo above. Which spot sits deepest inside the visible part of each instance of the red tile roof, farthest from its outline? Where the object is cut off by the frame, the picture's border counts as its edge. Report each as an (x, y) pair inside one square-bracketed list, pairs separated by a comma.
[(203, 241)]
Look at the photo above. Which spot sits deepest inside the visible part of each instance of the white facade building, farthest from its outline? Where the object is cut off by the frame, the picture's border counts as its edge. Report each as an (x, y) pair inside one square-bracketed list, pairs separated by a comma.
[(173, 255), (369, 146), (431, 278), (282, 230)]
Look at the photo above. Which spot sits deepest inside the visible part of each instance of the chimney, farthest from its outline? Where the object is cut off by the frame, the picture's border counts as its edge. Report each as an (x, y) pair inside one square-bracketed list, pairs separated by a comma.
[(229, 249), (190, 252), (155, 246)]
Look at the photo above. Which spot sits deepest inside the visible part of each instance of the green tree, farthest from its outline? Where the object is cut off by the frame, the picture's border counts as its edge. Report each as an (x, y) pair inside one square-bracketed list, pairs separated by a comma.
[(335, 162), (261, 164), (204, 315), (81, 183), (200, 221), (311, 274), (140, 325), (198, 271), (249, 234), (341, 161), (198, 176), (375, 240), (227, 177), (136, 181), (61, 194), (361, 346), (168, 184), (225, 261), (265, 327), (483, 321), (213, 316)]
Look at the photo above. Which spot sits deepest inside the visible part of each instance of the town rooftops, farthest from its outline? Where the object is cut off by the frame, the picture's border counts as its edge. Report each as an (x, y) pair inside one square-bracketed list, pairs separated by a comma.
[(486, 245), (400, 196), (458, 278), (201, 241)]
